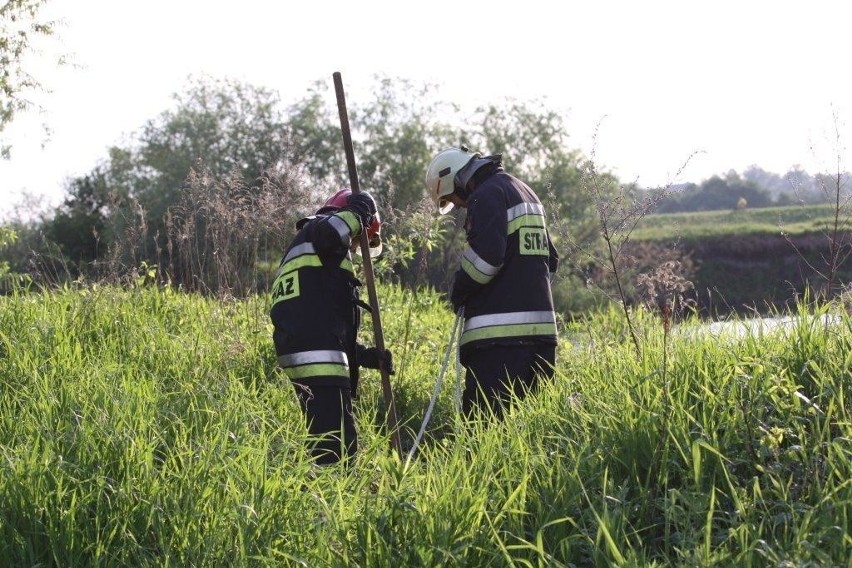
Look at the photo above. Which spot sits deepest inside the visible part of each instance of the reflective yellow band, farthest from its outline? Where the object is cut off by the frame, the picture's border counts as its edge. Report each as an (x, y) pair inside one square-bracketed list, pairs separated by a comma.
[(317, 370), (532, 220), (300, 262), (524, 209), (317, 363), (351, 221), (516, 330), (346, 224), (477, 268), (511, 324), (316, 356), (312, 260)]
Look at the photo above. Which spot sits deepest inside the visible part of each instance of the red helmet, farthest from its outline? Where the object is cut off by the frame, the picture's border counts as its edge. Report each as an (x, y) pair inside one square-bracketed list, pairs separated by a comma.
[(374, 230)]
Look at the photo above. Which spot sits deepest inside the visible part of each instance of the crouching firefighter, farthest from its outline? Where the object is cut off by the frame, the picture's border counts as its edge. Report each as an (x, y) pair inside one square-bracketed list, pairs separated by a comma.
[(508, 342), (316, 314)]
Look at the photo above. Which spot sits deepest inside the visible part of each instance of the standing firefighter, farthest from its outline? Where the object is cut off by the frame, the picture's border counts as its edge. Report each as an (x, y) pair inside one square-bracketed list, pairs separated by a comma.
[(316, 315), (509, 335)]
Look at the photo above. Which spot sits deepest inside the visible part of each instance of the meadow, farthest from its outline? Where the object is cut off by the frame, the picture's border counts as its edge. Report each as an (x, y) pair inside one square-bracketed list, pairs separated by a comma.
[(791, 220), (145, 426)]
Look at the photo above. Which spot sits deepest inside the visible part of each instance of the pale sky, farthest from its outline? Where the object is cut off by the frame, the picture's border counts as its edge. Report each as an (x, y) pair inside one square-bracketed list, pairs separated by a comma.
[(739, 82)]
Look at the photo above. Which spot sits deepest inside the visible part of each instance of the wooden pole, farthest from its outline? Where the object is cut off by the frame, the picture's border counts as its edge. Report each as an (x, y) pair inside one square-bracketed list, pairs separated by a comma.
[(368, 266)]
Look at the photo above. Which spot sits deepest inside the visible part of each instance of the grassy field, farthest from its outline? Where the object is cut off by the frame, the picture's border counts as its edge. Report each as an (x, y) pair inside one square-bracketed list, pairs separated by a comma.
[(148, 427), (793, 220)]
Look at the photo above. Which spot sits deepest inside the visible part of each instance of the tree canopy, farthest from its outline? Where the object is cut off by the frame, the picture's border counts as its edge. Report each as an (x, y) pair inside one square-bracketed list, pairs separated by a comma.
[(20, 25), (717, 193)]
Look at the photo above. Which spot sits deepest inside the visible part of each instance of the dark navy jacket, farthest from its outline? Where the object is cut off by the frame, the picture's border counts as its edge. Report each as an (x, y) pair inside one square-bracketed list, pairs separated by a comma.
[(504, 279), (315, 305)]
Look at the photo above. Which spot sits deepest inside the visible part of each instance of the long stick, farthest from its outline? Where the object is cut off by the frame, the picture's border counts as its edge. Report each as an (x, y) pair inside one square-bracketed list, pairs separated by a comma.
[(368, 266)]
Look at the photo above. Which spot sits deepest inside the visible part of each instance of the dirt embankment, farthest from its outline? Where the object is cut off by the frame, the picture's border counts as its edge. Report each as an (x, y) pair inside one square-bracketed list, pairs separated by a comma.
[(763, 272)]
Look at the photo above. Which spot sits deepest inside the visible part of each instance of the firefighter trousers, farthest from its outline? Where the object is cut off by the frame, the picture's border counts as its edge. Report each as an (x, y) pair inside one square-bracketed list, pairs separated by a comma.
[(330, 422), (497, 374)]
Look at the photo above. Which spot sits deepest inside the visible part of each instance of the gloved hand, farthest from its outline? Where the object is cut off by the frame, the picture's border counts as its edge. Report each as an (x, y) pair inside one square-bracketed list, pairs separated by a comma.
[(370, 357), (457, 300), (363, 205)]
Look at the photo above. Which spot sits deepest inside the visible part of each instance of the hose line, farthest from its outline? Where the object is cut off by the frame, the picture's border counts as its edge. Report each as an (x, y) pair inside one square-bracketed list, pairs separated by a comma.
[(457, 325)]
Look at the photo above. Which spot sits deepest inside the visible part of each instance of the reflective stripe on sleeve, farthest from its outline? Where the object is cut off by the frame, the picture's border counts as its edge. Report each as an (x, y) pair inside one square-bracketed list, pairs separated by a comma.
[(513, 324), (477, 268), (346, 224), (319, 363)]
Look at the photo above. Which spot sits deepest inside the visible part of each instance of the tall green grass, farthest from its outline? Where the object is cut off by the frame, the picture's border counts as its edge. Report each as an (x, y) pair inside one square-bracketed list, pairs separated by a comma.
[(148, 427)]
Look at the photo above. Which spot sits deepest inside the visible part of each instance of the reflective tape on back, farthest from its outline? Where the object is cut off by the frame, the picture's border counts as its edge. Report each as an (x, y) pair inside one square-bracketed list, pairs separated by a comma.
[(319, 363), (305, 255), (308, 357), (524, 209), (299, 250), (524, 215), (512, 324)]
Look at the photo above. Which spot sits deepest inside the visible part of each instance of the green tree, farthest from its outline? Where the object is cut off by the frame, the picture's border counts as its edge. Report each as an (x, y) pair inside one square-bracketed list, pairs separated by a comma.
[(533, 141), (7, 236), (93, 214), (83, 225), (398, 132), (315, 140), (225, 125), (20, 25), (717, 193), (78, 226)]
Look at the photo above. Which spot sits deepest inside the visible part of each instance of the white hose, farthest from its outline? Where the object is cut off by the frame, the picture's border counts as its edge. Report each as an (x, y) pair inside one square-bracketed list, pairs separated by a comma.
[(459, 368), (457, 325)]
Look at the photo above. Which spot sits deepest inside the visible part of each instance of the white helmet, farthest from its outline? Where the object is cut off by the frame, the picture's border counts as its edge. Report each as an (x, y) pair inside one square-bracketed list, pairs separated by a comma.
[(441, 173)]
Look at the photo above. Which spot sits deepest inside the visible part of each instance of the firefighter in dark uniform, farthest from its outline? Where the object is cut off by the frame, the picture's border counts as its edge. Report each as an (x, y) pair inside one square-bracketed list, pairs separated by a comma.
[(509, 337), (316, 314)]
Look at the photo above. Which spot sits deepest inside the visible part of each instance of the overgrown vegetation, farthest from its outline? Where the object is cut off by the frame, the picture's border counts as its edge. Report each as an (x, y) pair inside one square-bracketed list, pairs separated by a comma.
[(145, 426)]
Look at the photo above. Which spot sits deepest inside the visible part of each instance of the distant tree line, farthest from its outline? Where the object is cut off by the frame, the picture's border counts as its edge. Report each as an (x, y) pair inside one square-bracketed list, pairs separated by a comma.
[(753, 188)]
